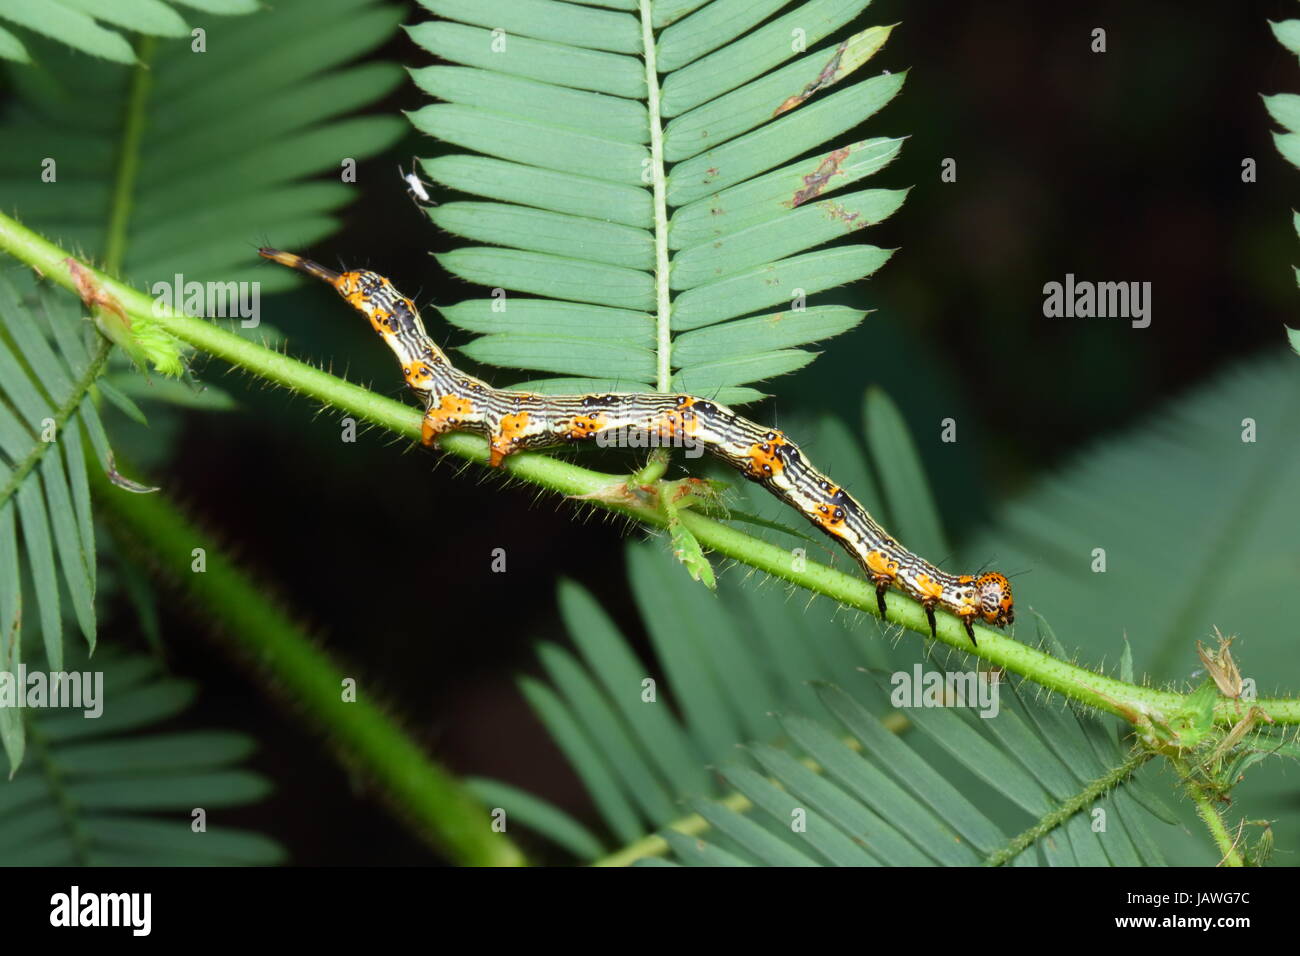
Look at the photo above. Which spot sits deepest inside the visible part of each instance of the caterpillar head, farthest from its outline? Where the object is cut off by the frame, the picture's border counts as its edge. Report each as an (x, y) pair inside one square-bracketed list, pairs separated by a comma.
[(996, 606)]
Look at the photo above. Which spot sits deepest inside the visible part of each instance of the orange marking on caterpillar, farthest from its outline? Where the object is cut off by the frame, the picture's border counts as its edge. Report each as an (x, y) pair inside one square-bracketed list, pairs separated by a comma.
[(447, 416), (417, 374), (503, 440), (830, 519), (881, 567), (677, 423), (764, 460), (584, 426), (816, 181), (690, 417), (931, 590)]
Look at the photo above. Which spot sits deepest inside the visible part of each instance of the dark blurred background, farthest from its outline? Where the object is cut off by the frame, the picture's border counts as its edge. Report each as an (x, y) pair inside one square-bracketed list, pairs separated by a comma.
[(1122, 166)]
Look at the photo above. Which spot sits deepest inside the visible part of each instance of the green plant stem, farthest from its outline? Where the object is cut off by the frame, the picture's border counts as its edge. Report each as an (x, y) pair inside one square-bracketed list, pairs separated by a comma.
[(434, 802), (1080, 801), (1205, 803), (1128, 701), (128, 157), (65, 411), (659, 183)]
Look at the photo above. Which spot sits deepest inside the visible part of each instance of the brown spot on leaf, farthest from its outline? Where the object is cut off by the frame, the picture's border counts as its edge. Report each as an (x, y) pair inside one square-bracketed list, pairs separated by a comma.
[(816, 181), (835, 210), (828, 76)]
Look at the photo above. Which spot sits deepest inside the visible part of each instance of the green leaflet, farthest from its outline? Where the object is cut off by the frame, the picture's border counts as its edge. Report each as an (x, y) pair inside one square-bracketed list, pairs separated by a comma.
[(522, 140), (544, 317), (593, 113), (709, 377), (558, 63), (571, 236), (562, 355), (552, 276), (773, 283), (1288, 34), (762, 332), (546, 189), (581, 26), (705, 30)]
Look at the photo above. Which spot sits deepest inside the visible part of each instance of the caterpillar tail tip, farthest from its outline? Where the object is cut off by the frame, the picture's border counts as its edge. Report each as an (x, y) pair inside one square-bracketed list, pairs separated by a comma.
[(284, 258), (299, 263)]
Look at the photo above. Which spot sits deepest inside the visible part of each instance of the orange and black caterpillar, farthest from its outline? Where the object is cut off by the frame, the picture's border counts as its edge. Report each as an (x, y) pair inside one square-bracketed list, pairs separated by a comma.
[(513, 421)]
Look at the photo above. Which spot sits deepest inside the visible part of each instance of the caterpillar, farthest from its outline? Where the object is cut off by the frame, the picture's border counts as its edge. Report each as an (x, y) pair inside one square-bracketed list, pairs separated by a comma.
[(513, 421)]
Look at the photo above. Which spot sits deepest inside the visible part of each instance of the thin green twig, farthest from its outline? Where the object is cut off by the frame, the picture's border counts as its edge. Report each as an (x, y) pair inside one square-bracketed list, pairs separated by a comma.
[(1062, 814), (1207, 809), (659, 185), (128, 157), (65, 411)]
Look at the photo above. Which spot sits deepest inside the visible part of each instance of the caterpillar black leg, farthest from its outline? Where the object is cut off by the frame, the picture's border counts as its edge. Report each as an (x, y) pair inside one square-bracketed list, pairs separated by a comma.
[(881, 588), (929, 616), (970, 630)]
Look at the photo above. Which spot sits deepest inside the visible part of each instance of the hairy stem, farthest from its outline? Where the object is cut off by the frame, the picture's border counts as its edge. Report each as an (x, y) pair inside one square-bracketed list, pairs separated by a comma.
[(1208, 810), (1061, 815), (1125, 700)]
